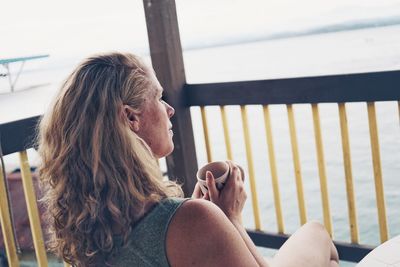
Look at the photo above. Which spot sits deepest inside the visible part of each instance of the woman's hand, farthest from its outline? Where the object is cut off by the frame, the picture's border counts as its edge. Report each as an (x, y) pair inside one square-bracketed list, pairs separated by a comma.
[(198, 194), (232, 197)]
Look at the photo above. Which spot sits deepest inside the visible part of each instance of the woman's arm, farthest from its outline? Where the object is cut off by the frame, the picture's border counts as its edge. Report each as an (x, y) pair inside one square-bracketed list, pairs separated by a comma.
[(201, 235), (249, 243), (231, 200)]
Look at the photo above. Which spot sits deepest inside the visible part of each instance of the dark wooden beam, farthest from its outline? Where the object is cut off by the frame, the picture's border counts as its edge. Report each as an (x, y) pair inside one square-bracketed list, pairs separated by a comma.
[(18, 135), (267, 240), (375, 86), (352, 252), (347, 251), (167, 59)]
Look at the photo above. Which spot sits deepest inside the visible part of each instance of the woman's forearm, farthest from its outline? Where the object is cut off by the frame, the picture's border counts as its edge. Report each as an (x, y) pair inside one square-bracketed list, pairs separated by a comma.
[(249, 243)]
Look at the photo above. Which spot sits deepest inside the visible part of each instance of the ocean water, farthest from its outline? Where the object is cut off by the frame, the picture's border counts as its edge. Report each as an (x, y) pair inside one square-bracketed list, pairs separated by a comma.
[(372, 49)]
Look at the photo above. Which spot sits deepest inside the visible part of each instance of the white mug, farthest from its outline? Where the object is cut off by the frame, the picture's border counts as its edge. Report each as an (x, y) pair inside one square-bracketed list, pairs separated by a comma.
[(220, 170)]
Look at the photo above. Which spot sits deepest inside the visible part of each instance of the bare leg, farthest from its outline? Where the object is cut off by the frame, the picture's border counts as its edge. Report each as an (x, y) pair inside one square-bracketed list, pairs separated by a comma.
[(309, 246)]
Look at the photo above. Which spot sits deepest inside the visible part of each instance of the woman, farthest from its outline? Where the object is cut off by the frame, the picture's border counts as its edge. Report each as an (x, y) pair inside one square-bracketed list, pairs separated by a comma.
[(107, 202)]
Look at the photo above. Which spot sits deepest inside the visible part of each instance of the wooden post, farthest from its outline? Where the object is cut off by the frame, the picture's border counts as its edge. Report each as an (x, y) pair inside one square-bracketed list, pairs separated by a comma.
[(167, 60)]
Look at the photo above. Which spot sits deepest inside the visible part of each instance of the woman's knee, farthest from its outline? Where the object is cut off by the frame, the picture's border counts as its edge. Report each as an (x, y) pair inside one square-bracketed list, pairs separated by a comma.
[(319, 232), (316, 228), (334, 263)]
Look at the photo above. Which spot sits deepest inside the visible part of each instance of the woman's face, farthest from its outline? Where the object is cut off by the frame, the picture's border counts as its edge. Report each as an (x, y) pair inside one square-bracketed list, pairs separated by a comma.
[(155, 127)]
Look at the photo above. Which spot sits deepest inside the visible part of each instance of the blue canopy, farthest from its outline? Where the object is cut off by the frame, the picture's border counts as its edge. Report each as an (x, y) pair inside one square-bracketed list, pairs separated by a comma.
[(11, 60)]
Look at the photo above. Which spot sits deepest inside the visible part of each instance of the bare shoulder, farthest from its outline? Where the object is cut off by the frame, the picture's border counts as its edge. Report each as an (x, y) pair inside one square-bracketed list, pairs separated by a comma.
[(201, 235), (196, 216), (199, 211)]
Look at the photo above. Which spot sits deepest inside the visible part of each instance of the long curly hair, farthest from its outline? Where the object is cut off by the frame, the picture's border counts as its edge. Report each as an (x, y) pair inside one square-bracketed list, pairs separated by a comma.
[(95, 172)]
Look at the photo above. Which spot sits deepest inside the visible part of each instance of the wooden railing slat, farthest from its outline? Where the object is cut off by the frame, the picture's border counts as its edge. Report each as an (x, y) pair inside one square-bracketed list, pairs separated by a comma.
[(376, 160), (227, 138), (33, 212), (6, 224), (297, 166), (321, 169), (398, 108), (206, 133), (351, 202), (249, 155), (274, 175)]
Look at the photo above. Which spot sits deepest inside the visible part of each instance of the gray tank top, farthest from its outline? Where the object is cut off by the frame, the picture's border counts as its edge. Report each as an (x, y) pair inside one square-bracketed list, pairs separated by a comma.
[(147, 244)]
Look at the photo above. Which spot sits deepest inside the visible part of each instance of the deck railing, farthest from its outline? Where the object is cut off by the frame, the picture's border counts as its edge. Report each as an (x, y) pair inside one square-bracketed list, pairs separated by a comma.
[(339, 89), (182, 164), (17, 136)]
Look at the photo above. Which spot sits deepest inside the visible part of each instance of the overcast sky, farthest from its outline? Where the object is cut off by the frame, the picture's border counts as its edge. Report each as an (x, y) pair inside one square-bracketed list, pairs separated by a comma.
[(80, 27)]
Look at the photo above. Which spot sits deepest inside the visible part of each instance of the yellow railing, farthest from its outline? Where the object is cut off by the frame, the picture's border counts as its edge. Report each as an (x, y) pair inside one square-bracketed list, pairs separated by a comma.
[(250, 164), (226, 133), (274, 175), (31, 197), (297, 168), (376, 158), (347, 165), (351, 202), (321, 170), (33, 214), (5, 219)]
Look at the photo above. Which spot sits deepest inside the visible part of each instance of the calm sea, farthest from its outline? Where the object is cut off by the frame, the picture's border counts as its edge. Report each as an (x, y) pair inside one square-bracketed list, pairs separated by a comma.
[(373, 49)]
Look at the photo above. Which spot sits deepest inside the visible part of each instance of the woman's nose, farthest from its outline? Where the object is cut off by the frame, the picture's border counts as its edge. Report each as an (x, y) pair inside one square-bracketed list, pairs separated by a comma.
[(170, 110)]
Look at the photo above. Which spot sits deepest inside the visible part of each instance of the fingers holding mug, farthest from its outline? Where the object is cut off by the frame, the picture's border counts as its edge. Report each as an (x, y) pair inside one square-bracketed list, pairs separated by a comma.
[(232, 165), (219, 171), (197, 191)]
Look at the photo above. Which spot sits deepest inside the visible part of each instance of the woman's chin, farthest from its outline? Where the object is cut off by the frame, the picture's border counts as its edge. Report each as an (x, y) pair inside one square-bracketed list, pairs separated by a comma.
[(165, 153), (170, 150)]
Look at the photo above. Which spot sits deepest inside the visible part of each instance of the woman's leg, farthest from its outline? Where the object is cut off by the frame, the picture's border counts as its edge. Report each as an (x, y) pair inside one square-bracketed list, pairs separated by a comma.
[(309, 246)]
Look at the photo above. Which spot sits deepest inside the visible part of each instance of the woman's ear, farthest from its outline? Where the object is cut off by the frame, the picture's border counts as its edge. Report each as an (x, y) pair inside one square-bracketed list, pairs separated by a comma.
[(132, 117)]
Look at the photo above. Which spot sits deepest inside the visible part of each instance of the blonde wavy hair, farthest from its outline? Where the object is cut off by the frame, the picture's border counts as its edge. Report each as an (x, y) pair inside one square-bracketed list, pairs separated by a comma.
[(95, 172)]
